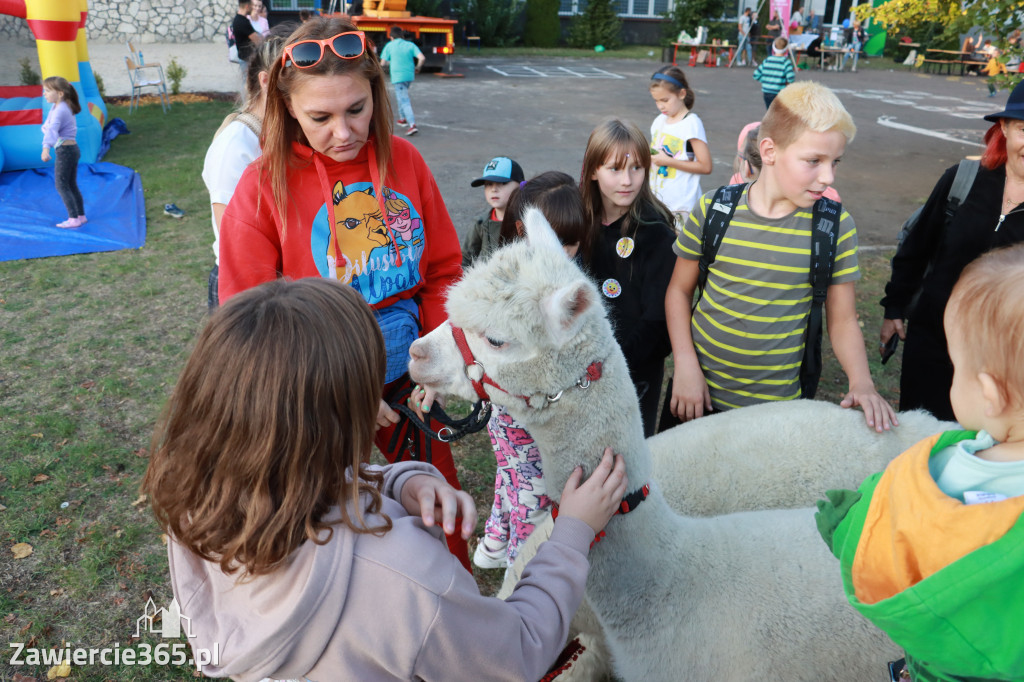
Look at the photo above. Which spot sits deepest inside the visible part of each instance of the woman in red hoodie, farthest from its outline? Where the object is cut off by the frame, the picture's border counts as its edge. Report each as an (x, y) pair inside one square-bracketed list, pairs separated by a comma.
[(314, 206)]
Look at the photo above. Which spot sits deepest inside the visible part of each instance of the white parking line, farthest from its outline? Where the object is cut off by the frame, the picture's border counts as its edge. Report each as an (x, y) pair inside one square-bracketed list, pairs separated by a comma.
[(889, 123), (525, 71)]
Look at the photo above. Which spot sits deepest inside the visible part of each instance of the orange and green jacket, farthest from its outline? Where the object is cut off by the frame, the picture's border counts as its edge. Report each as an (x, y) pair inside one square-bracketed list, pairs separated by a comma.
[(943, 579)]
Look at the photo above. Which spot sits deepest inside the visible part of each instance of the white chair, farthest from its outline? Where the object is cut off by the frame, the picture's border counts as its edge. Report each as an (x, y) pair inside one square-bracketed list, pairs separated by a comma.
[(146, 76)]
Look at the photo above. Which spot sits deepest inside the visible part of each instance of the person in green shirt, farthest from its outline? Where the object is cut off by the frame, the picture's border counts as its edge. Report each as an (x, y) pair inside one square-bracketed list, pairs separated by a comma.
[(932, 549), (405, 61)]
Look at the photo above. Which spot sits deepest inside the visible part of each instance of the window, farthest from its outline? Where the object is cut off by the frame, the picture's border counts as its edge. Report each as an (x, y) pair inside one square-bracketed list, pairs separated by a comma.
[(293, 5), (631, 9)]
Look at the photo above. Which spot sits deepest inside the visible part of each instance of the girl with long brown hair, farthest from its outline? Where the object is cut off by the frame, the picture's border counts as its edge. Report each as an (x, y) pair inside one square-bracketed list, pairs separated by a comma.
[(313, 205), (292, 557), (630, 252)]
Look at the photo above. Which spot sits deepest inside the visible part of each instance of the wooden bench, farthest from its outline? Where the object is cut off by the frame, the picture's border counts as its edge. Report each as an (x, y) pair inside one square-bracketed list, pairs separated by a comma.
[(471, 39)]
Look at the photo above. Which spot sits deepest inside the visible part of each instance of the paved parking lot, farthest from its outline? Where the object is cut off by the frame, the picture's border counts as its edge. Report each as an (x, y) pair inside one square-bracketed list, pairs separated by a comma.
[(540, 111), (910, 127)]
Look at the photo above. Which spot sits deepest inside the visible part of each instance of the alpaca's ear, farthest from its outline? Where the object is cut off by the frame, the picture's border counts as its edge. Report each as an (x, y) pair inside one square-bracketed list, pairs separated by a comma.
[(563, 310), (538, 230)]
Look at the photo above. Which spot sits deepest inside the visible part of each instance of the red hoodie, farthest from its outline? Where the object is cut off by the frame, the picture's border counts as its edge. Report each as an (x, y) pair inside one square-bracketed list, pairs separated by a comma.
[(415, 252)]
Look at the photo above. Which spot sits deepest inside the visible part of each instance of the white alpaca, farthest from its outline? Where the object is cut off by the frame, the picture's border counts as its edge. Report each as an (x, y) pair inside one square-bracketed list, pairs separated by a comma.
[(747, 596), (776, 455), (771, 456)]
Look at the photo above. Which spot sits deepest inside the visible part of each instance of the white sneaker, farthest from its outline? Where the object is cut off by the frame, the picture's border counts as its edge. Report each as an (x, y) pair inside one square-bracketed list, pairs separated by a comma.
[(486, 558)]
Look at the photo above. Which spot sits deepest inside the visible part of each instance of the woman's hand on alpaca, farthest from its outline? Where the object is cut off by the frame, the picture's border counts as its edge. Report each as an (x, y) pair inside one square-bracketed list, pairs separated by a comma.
[(422, 398), (596, 500), (878, 413), (690, 395), (432, 497), (385, 415)]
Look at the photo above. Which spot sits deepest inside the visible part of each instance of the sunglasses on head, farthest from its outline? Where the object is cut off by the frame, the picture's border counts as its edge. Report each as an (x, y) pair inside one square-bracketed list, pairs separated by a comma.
[(306, 54)]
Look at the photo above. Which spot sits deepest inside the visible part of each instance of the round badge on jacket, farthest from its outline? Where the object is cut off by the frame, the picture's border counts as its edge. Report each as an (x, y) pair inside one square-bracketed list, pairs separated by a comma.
[(611, 288), (624, 247)]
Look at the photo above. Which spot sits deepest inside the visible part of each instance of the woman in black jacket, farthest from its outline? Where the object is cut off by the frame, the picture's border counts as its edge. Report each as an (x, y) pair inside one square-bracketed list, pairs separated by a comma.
[(931, 257)]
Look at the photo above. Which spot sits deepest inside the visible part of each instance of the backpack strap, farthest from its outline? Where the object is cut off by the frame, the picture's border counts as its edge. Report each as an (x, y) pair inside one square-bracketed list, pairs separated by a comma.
[(966, 171), (824, 238), (716, 221)]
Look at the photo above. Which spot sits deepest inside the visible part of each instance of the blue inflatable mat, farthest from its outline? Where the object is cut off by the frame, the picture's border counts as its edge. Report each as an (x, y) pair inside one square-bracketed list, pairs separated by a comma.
[(30, 209)]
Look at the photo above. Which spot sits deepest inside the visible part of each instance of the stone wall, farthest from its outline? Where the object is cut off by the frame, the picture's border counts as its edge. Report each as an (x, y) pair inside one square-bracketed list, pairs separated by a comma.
[(144, 21)]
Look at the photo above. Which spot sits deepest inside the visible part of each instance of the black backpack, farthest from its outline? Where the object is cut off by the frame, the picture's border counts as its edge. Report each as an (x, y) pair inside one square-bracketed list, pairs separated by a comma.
[(966, 171), (824, 236)]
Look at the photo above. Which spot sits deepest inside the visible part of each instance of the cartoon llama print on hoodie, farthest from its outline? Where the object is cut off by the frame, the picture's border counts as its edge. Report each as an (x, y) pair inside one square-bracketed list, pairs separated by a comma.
[(375, 257)]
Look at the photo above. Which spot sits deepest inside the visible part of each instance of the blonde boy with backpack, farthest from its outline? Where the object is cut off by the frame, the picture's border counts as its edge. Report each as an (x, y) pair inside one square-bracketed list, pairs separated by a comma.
[(744, 342)]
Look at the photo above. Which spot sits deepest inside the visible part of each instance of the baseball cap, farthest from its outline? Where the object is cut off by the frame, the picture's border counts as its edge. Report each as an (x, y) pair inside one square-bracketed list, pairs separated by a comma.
[(500, 169)]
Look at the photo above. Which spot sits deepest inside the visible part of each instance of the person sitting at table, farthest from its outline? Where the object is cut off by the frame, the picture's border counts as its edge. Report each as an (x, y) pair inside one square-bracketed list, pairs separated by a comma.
[(854, 42), (813, 50), (973, 40), (813, 22), (796, 22)]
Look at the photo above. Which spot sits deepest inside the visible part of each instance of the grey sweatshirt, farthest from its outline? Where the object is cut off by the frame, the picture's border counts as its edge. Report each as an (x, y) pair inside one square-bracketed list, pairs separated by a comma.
[(396, 607)]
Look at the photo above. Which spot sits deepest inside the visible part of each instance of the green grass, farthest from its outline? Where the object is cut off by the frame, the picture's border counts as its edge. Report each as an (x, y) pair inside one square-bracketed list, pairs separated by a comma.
[(91, 345)]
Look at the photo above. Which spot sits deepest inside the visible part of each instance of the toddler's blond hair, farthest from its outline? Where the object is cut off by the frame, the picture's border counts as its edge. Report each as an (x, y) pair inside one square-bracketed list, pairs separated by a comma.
[(988, 310)]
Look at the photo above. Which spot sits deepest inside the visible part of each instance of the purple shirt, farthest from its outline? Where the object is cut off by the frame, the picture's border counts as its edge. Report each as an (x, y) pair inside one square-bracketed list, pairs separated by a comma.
[(59, 125)]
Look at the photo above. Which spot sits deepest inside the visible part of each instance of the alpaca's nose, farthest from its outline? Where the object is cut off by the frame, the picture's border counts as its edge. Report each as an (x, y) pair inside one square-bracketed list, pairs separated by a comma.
[(417, 350)]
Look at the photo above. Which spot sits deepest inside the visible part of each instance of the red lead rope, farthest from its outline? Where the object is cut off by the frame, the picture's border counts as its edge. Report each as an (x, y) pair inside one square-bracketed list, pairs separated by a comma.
[(628, 504)]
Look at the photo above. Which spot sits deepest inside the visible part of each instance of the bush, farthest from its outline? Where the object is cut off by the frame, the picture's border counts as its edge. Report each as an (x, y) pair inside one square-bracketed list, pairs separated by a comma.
[(29, 76), (175, 73), (494, 21), (542, 25), (100, 86), (597, 25)]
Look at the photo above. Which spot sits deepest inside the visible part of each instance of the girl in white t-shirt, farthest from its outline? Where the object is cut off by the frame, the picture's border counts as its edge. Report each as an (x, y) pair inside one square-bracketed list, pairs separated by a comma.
[(236, 143), (679, 146)]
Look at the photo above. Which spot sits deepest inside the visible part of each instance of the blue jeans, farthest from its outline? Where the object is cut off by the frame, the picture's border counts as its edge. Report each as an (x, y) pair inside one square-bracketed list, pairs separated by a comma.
[(748, 49), (855, 51), (65, 175), (404, 105), (769, 97)]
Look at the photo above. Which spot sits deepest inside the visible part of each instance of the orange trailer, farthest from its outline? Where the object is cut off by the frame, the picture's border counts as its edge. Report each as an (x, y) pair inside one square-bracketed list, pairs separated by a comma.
[(435, 37)]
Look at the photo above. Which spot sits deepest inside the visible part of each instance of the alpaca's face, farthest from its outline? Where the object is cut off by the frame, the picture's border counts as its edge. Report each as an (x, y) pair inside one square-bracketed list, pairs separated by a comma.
[(532, 319)]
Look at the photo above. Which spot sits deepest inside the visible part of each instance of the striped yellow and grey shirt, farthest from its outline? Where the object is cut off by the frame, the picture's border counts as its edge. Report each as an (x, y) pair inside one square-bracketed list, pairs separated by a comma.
[(749, 326)]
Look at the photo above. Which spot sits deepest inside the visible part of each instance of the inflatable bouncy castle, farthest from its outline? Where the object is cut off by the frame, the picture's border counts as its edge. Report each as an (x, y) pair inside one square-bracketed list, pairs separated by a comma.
[(59, 29)]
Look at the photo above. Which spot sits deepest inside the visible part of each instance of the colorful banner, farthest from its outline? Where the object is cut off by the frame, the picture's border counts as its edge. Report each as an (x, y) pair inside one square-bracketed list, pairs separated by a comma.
[(782, 11)]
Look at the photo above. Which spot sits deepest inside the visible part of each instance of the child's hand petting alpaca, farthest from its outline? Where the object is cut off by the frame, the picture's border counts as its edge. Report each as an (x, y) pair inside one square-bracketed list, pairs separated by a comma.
[(428, 495), (596, 500)]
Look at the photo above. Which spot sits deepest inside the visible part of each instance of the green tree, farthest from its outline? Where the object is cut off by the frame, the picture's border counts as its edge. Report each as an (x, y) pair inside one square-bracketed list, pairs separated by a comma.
[(542, 25), (997, 18), (424, 8), (687, 15), (596, 25), (493, 20)]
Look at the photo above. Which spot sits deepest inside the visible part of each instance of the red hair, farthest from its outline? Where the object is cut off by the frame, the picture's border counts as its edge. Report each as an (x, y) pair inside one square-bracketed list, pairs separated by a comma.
[(995, 147)]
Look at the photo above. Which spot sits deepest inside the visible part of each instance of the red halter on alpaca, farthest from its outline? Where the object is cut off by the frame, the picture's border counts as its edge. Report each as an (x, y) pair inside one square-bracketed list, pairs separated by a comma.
[(593, 372)]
